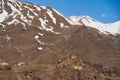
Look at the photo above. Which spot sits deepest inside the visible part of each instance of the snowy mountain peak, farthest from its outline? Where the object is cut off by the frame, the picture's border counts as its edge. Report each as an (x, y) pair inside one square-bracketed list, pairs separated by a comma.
[(15, 12), (111, 28), (82, 19)]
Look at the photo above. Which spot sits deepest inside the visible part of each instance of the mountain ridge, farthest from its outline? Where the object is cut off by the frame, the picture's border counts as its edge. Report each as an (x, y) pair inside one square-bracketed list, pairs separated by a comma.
[(20, 17), (110, 28)]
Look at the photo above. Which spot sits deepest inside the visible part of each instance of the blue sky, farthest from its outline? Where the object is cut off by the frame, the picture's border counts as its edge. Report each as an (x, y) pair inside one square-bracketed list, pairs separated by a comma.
[(106, 11)]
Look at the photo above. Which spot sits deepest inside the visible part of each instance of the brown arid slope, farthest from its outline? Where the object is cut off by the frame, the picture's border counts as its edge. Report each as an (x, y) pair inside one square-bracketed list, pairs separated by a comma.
[(38, 43)]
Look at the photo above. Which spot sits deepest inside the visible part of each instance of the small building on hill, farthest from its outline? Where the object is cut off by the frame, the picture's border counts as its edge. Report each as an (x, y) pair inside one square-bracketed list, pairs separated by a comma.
[(73, 56), (4, 66), (21, 64)]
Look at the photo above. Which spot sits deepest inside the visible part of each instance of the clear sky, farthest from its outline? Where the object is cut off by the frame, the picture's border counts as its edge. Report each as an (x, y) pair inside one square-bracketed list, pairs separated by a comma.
[(106, 11)]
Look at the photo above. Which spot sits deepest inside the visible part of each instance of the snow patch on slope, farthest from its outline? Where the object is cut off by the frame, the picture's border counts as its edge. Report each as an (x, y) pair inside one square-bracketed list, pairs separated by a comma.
[(51, 15), (40, 48), (3, 16), (12, 0), (13, 8), (64, 17), (62, 25), (44, 27)]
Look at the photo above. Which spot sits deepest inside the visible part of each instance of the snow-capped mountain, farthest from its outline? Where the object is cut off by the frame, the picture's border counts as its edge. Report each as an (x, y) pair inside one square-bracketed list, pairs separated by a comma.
[(14, 12), (22, 13), (27, 24), (41, 26), (111, 28)]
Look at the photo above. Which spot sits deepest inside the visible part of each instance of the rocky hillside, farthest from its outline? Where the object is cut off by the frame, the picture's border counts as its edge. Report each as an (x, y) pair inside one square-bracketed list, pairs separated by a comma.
[(28, 25), (39, 43)]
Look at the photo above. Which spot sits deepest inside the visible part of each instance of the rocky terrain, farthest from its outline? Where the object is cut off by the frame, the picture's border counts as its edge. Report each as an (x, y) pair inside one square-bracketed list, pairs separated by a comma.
[(39, 43)]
